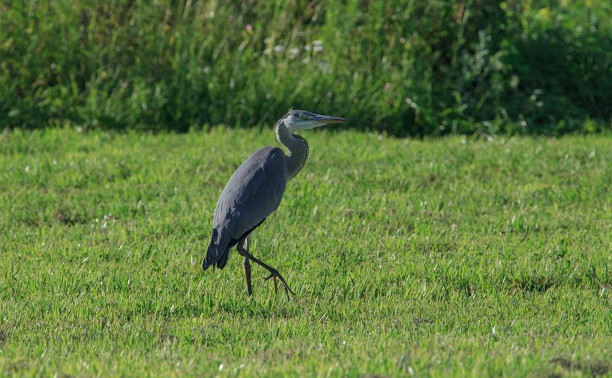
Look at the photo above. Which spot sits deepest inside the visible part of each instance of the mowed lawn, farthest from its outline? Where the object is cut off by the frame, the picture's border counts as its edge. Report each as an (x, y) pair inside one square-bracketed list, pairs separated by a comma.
[(454, 256)]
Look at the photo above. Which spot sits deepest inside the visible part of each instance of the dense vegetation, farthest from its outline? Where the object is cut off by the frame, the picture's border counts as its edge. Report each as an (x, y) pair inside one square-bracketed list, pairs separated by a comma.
[(451, 257), (405, 66)]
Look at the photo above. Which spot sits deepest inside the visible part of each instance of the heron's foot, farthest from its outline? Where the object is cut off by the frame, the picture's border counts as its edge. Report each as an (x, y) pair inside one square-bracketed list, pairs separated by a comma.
[(274, 274)]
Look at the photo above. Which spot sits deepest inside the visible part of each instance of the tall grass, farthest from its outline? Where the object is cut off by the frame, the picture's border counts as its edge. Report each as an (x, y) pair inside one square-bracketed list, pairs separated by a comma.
[(407, 67)]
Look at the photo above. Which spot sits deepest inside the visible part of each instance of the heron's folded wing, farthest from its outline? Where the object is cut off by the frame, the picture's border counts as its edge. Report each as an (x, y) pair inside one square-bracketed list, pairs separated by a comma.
[(254, 192)]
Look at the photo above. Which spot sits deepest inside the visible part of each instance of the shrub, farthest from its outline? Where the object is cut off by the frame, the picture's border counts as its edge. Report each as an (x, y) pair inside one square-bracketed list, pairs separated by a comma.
[(406, 67)]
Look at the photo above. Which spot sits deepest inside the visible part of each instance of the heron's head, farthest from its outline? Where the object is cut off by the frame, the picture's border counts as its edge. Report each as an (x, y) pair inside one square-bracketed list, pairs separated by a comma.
[(296, 120)]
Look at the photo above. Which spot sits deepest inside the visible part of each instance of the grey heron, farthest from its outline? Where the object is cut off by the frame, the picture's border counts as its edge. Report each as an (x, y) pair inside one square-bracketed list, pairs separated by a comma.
[(256, 189)]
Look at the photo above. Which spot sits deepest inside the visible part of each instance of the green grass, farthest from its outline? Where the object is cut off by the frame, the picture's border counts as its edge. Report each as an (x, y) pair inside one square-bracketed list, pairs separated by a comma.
[(450, 256)]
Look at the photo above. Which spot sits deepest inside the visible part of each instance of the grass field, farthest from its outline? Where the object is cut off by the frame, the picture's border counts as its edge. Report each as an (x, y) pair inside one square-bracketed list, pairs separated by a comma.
[(447, 256)]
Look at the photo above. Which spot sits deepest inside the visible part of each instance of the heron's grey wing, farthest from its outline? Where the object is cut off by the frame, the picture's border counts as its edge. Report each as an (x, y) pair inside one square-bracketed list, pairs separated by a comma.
[(253, 192)]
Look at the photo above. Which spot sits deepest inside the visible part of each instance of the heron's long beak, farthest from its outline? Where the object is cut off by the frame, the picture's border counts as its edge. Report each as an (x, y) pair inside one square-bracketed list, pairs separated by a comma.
[(324, 120)]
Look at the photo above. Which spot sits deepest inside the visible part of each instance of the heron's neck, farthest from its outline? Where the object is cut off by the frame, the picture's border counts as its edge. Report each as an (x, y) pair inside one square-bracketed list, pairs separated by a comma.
[(298, 147)]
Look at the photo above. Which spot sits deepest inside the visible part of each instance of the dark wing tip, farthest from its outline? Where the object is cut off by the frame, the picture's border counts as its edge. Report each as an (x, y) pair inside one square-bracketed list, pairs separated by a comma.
[(223, 260), (213, 254), (205, 264)]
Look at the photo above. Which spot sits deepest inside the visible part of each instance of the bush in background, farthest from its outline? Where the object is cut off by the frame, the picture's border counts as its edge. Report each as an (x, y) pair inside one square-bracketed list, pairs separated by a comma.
[(410, 67)]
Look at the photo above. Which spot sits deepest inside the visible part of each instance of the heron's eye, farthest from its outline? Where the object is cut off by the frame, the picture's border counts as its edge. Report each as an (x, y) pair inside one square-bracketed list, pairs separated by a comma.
[(303, 116)]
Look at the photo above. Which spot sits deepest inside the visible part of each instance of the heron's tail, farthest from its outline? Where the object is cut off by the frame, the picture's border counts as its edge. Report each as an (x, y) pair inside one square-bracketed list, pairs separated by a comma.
[(218, 250), (216, 254)]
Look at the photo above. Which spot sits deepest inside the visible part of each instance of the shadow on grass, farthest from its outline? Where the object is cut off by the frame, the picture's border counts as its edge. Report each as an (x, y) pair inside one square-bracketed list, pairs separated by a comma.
[(596, 368)]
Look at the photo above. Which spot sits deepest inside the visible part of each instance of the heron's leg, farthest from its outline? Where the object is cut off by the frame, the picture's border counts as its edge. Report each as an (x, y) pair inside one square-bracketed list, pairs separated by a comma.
[(247, 274), (243, 246), (273, 272)]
